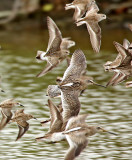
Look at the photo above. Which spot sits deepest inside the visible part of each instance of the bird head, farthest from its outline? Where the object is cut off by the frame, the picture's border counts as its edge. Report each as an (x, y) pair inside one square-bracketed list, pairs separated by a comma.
[(40, 55)]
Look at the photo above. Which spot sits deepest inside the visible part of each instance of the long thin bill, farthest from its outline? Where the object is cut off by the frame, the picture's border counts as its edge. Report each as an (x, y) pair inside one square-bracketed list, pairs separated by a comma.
[(99, 85), (112, 133)]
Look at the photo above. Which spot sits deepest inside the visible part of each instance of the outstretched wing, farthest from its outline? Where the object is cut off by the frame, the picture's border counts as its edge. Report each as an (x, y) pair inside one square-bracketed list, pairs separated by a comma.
[(70, 102), (6, 117), (55, 37), (95, 35), (93, 8), (56, 118), (126, 56), (48, 67), (126, 43), (76, 67), (23, 127)]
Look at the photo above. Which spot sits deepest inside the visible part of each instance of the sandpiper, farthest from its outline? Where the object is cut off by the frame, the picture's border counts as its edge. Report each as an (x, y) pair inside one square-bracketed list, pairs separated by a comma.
[(56, 122), (91, 20), (69, 92), (80, 7), (21, 118), (109, 65), (6, 107), (124, 70), (77, 132), (56, 52)]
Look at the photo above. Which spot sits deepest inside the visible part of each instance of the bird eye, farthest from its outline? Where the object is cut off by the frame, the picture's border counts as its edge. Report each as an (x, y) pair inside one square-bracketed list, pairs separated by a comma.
[(89, 81)]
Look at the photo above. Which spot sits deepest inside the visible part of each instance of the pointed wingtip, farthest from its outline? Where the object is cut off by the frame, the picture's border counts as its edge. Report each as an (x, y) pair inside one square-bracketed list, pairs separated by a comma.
[(17, 138), (38, 75)]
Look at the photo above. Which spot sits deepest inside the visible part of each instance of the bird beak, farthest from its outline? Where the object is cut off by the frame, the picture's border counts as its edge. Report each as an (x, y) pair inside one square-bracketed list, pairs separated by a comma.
[(98, 84), (21, 105), (2, 91), (103, 130), (70, 53), (37, 57), (46, 121)]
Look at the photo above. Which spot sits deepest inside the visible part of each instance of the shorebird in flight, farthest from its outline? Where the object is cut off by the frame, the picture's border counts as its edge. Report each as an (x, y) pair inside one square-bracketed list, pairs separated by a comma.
[(58, 48), (21, 119), (6, 107), (80, 6), (77, 132), (91, 20), (124, 68)]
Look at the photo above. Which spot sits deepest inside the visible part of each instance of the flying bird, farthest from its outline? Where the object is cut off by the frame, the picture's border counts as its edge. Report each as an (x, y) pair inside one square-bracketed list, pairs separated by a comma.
[(6, 107), (77, 132), (124, 69), (57, 50), (80, 6), (21, 119), (91, 20)]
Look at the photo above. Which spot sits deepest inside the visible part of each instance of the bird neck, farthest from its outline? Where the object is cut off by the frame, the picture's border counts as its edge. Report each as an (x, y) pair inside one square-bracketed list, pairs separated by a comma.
[(92, 130)]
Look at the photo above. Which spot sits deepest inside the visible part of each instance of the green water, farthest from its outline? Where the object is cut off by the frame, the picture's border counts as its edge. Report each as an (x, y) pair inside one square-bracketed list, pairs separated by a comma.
[(108, 107)]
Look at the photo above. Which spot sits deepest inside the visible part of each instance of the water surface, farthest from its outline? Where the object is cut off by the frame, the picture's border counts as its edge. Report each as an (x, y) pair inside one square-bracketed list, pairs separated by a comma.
[(108, 107)]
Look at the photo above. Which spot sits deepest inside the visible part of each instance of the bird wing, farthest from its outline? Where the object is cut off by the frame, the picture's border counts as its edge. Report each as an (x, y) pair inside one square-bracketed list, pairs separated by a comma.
[(23, 127), (117, 61), (48, 67), (70, 155), (126, 43), (66, 43), (117, 78), (76, 67), (95, 34), (92, 9), (55, 37), (70, 102), (130, 26), (6, 117), (77, 13), (19, 111), (76, 121), (80, 148), (54, 114), (121, 50), (76, 146)]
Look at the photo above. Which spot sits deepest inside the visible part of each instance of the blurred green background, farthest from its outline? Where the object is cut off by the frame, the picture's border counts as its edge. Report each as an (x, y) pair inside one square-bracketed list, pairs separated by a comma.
[(23, 31)]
